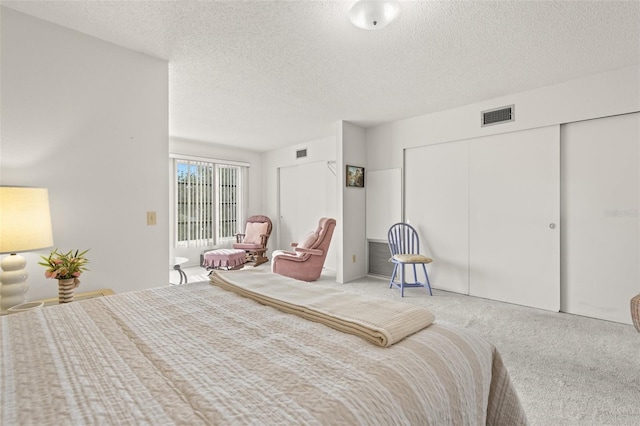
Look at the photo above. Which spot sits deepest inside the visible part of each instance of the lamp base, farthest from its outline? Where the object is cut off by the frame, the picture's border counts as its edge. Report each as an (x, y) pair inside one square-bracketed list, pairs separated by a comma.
[(13, 282)]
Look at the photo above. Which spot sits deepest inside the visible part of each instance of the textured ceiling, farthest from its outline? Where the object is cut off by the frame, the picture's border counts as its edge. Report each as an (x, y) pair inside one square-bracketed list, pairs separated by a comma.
[(265, 74)]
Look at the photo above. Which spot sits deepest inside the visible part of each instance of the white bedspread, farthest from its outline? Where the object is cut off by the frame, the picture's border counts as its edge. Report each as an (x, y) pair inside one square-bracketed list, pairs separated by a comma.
[(381, 322), (197, 354)]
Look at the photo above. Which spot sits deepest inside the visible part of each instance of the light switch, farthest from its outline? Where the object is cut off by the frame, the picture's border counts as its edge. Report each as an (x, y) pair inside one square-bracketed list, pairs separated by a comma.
[(151, 218)]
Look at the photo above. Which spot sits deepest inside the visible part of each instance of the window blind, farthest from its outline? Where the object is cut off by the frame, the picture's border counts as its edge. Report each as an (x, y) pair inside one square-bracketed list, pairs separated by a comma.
[(208, 206)]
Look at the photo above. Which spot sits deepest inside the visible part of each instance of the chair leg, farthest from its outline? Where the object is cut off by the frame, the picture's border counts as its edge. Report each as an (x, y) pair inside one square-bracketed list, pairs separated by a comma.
[(402, 278), (426, 276), (393, 274), (260, 259)]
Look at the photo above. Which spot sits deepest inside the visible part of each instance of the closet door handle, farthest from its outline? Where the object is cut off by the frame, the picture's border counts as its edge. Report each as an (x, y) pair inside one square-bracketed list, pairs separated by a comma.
[(552, 225)]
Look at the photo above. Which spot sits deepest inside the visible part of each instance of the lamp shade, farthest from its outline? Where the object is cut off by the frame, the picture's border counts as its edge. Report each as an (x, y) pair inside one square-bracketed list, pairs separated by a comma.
[(374, 14), (25, 219)]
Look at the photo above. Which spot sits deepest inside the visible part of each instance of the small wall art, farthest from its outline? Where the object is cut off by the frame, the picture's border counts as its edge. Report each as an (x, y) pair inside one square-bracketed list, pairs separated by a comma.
[(355, 176)]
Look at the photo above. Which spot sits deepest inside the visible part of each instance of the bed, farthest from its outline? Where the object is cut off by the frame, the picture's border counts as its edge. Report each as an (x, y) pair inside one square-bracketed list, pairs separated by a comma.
[(202, 354)]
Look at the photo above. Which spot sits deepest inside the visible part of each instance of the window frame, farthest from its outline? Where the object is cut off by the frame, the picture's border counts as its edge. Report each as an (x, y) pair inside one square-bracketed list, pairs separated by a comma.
[(240, 193)]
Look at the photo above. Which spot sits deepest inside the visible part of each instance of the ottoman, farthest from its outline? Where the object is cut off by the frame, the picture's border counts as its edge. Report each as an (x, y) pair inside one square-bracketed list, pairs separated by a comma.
[(224, 259), (635, 311)]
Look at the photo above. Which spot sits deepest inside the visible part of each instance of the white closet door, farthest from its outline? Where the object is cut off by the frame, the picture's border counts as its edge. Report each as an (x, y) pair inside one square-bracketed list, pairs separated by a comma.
[(312, 191), (288, 206), (600, 215), (302, 200), (437, 205), (514, 249)]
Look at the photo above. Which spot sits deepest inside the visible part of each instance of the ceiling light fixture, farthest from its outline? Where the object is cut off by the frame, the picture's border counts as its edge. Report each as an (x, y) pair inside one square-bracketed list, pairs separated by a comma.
[(374, 14)]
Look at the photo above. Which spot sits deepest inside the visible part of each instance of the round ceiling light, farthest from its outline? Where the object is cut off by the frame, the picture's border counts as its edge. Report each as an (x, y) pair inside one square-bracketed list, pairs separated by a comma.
[(374, 14)]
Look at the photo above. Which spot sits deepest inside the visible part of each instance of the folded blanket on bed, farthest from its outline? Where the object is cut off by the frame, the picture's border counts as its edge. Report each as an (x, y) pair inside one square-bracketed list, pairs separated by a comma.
[(379, 321)]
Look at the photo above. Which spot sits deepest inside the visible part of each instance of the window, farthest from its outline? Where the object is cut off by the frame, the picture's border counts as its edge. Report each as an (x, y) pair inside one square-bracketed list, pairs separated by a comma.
[(228, 200), (208, 202)]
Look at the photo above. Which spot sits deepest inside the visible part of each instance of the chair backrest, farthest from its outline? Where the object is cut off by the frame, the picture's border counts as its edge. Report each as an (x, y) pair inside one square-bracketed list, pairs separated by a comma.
[(260, 219), (403, 239), (306, 266), (324, 232)]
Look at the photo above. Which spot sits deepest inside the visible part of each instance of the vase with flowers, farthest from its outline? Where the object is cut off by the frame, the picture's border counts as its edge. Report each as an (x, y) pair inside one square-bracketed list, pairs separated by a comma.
[(66, 268)]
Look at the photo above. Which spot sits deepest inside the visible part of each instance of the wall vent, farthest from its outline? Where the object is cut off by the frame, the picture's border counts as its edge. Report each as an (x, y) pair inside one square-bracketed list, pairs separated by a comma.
[(379, 259), (498, 115), (301, 153)]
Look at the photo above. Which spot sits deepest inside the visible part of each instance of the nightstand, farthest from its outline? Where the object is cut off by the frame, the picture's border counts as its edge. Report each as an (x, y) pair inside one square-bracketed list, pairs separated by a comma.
[(79, 296), (23, 307)]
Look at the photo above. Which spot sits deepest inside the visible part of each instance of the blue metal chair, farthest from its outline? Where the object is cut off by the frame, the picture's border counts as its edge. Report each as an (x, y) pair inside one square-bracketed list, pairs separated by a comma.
[(404, 245)]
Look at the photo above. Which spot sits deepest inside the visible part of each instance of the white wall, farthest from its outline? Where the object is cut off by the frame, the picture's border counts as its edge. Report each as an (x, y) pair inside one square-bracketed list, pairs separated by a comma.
[(350, 229), (254, 196), (601, 95), (317, 150), (383, 204), (88, 120)]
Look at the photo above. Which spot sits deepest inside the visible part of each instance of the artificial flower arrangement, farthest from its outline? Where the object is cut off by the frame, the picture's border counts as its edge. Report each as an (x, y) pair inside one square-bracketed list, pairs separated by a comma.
[(63, 266)]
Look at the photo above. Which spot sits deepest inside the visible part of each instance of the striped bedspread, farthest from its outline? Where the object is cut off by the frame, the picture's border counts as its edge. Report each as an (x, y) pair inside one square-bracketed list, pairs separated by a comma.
[(197, 354)]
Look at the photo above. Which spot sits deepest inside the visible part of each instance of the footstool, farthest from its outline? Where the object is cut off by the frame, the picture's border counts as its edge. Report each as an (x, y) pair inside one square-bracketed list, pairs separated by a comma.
[(224, 259), (635, 311)]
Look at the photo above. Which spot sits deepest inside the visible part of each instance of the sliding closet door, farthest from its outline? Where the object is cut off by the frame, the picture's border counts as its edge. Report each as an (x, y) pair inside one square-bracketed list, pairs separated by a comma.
[(303, 191), (437, 205), (514, 202), (600, 216)]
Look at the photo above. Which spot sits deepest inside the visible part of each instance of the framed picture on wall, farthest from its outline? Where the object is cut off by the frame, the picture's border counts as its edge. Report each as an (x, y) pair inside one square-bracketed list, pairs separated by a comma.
[(355, 176)]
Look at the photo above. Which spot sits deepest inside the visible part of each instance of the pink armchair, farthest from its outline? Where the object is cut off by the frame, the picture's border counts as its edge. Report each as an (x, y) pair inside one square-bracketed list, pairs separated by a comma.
[(306, 261), (255, 238)]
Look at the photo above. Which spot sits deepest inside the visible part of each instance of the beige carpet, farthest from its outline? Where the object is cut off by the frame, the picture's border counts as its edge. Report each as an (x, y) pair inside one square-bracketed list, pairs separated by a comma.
[(568, 370)]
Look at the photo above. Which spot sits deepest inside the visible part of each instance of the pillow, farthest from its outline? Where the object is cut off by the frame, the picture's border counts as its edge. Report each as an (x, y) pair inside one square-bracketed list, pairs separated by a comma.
[(253, 232), (412, 258), (309, 240)]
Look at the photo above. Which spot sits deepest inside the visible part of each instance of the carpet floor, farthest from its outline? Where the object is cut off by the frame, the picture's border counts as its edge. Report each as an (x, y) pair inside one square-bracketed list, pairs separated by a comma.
[(567, 369)]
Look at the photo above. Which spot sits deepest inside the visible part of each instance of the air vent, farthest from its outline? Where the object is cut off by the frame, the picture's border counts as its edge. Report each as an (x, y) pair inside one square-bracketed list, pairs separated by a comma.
[(498, 115), (379, 259), (301, 153)]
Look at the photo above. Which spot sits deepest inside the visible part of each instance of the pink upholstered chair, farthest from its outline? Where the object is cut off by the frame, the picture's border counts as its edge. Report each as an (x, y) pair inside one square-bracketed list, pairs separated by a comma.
[(306, 260), (255, 238)]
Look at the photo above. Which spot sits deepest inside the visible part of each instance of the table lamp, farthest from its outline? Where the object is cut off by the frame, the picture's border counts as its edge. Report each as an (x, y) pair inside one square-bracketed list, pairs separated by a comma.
[(25, 225)]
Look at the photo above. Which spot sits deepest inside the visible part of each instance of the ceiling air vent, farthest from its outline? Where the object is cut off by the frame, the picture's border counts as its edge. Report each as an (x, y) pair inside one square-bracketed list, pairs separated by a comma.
[(498, 115), (301, 153)]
